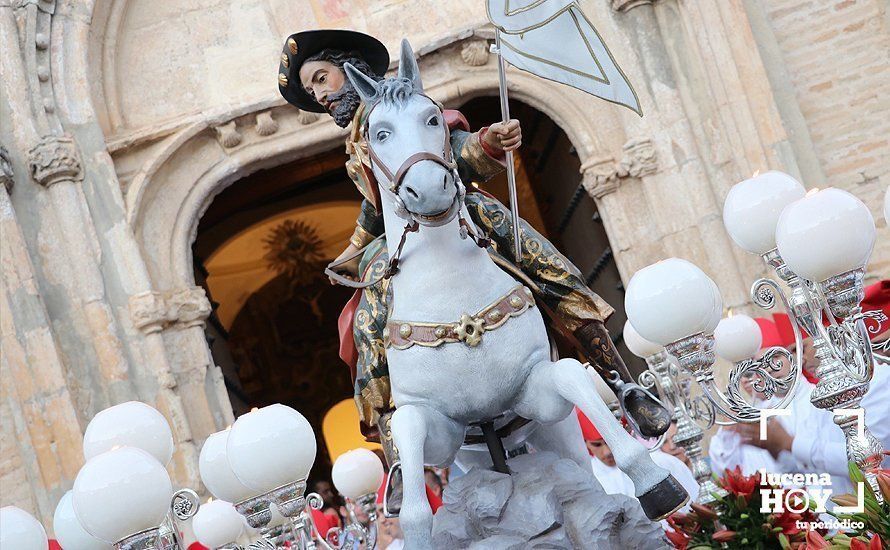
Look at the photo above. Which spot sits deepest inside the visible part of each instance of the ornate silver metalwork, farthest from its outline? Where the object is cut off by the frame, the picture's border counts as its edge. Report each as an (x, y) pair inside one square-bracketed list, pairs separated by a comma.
[(844, 352), (256, 511), (291, 501), (687, 411), (356, 534), (150, 539), (185, 504), (696, 356)]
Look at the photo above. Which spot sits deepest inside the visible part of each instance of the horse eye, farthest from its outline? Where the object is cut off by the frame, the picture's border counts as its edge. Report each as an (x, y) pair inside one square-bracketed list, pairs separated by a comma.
[(382, 135), (433, 121)]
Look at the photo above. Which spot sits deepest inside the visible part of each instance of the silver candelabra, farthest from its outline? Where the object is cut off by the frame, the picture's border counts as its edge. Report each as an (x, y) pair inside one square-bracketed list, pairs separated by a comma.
[(674, 390), (843, 351)]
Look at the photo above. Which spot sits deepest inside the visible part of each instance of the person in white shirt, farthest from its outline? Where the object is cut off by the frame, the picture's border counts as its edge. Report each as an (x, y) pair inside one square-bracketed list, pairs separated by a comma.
[(811, 435), (616, 482), (817, 442)]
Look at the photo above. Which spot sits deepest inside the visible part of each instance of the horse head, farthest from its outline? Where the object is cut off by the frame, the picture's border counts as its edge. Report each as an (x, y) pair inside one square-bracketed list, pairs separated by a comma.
[(409, 145)]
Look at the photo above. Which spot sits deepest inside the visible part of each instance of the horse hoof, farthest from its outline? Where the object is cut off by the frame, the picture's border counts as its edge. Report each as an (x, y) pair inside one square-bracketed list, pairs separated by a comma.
[(663, 499)]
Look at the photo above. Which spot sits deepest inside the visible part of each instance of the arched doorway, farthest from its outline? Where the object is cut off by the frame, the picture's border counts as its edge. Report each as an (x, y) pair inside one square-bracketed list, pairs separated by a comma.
[(262, 243), (259, 253)]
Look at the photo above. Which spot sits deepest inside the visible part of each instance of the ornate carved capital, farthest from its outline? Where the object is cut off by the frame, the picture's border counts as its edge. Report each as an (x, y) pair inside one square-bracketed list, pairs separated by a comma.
[(148, 311), (6, 174), (188, 307), (55, 159), (627, 5), (475, 53), (603, 176), (600, 177), (153, 311), (639, 159)]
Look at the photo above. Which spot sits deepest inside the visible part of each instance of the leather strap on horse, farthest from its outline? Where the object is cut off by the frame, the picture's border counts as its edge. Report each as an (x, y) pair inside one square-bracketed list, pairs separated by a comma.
[(466, 228), (395, 180), (391, 269)]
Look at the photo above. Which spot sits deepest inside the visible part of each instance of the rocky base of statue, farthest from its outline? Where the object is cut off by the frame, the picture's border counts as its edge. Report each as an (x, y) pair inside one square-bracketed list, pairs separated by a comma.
[(546, 503)]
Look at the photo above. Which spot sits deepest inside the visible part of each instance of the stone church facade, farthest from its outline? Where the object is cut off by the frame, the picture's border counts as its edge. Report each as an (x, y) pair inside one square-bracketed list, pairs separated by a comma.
[(121, 120)]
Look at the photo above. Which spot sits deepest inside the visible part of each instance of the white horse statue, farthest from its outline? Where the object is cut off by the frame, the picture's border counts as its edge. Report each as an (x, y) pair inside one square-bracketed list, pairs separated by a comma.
[(465, 340)]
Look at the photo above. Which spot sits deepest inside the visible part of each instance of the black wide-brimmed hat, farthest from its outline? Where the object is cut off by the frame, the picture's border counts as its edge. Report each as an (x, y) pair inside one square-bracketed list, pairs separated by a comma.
[(302, 45)]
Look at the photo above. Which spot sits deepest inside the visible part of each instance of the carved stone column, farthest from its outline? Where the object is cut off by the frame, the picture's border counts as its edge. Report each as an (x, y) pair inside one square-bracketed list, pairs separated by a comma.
[(181, 396), (674, 209), (45, 447), (55, 164)]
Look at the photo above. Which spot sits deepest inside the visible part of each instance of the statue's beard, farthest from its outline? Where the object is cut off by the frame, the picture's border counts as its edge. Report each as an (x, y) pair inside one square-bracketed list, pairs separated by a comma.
[(348, 102)]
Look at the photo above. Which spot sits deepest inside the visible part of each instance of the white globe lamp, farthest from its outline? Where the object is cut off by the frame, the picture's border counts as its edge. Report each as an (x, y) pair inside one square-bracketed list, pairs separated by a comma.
[(826, 233), (357, 473), (217, 474), (130, 424), (217, 524), (671, 300), (69, 532), (19, 530), (752, 209), (120, 493), (737, 338), (638, 345), (271, 447)]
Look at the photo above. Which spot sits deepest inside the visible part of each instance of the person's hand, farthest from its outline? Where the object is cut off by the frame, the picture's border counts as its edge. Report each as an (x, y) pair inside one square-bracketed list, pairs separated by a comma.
[(777, 438), (349, 269), (505, 136)]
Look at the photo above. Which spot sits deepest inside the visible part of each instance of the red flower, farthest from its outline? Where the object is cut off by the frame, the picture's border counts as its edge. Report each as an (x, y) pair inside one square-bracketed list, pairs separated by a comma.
[(815, 541), (723, 535), (679, 539), (704, 512), (738, 484), (875, 544), (787, 521)]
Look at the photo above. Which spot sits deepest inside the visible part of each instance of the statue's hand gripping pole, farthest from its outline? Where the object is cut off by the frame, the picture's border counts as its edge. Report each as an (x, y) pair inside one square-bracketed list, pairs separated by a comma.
[(511, 172)]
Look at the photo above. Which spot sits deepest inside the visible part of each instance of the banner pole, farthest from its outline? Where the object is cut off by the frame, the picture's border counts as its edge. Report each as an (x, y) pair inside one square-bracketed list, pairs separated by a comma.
[(511, 173)]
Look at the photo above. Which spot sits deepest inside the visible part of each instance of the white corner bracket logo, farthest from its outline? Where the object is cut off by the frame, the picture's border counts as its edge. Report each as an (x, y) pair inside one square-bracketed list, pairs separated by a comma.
[(818, 486)]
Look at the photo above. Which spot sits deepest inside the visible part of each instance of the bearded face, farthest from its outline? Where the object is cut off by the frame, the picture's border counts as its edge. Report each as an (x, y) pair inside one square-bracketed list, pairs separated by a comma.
[(345, 104), (323, 78)]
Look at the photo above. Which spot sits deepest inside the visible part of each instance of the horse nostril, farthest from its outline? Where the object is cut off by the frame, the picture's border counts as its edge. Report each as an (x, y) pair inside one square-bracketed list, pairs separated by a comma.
[(445, 181), (411, 191)]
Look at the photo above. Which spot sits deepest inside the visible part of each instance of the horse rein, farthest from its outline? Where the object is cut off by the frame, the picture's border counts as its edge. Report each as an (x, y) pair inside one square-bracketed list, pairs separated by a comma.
[(395, 183), (395, 180)]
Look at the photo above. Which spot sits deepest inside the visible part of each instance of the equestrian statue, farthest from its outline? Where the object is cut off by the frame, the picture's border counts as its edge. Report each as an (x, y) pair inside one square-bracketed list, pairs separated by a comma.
[(448, 326)]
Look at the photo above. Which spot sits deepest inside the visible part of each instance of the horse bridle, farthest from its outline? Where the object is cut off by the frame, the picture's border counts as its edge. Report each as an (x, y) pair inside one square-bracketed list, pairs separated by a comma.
[(395, 180), (395, 183)]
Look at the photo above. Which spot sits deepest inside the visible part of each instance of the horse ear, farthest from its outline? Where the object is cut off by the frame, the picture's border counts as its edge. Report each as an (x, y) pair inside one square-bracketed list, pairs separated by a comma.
[(408, 66), (364, 85)]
